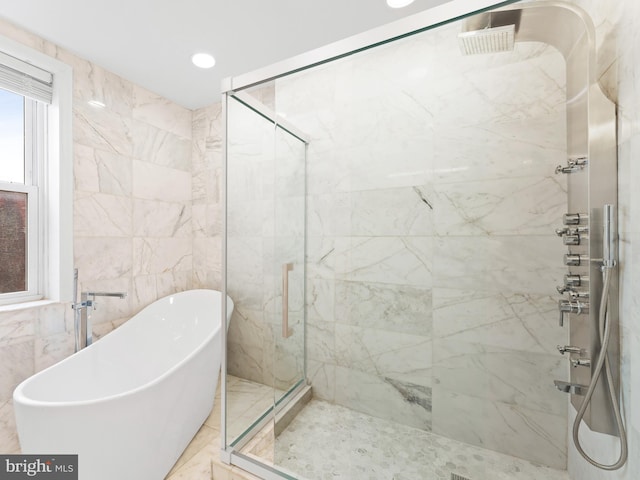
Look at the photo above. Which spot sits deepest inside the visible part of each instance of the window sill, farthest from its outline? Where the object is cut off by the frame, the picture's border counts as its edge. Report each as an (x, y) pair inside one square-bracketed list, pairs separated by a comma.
[(25, 305)]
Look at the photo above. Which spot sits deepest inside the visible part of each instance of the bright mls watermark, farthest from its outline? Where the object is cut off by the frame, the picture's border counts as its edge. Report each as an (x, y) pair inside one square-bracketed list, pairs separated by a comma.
[(50, 467)]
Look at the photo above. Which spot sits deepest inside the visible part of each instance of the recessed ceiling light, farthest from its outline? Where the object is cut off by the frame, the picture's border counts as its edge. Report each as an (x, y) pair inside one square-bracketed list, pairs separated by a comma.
[(203, 60), (399, 3), (96, 103)]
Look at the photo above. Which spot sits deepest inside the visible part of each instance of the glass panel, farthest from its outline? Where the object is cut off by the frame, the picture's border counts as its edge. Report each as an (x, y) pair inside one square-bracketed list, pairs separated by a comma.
[(250, 275), (432, 260), (289, 263), (12, 137), (265, 249), (13, 242)]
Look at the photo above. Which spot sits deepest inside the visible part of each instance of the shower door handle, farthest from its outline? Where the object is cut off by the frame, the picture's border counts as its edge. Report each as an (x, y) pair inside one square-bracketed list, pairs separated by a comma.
[(286, 268)]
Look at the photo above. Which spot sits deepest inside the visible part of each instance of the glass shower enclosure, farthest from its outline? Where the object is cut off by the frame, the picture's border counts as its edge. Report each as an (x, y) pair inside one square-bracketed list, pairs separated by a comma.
[(390, 249)]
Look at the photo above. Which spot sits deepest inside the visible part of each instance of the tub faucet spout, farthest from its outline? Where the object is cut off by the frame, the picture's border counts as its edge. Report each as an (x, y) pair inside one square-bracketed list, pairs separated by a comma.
[(83, 329)]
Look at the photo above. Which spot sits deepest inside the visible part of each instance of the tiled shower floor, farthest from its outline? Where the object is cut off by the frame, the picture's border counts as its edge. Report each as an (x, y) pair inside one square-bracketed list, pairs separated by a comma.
[(327, 441)]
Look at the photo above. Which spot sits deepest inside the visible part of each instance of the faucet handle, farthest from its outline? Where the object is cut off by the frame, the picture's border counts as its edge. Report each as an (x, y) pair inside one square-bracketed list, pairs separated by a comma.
[(568, 348)]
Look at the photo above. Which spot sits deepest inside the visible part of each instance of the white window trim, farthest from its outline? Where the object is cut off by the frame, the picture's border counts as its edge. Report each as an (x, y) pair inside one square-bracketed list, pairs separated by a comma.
[(57, 192)]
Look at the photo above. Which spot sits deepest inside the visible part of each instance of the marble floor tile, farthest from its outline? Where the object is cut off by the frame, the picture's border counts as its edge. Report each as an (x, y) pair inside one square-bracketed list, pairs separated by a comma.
[(356, 446)]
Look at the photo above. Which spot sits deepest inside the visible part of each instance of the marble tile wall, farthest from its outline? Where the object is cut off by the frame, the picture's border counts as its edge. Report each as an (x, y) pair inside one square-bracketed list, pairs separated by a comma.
[(132, 212), (431, 254)]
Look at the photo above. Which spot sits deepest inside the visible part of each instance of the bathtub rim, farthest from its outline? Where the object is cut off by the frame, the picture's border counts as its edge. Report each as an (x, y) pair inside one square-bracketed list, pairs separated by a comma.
[(19, 398)]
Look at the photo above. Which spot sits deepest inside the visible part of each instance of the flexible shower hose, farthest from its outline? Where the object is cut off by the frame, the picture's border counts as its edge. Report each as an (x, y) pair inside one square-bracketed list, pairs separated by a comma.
[(604, 331)]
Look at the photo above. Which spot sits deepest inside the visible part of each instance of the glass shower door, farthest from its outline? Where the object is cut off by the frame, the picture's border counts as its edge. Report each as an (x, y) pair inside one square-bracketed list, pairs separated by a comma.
[(265, 269), (288, 263)]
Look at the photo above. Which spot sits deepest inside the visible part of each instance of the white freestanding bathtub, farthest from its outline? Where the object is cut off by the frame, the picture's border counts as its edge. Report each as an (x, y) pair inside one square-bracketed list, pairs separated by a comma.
[(129, 404)]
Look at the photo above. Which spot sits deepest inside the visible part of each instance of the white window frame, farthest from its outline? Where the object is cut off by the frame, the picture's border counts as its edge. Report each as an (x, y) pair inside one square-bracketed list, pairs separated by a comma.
[(54, 178)]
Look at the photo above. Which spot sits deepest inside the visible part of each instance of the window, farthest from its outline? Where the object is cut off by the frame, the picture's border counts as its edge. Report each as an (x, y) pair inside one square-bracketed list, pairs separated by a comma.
[(22, 129), (35, 176)]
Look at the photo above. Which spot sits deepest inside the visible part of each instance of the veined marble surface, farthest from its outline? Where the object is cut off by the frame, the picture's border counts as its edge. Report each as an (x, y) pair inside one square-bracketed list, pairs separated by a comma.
[(431, 254), (357, 446)]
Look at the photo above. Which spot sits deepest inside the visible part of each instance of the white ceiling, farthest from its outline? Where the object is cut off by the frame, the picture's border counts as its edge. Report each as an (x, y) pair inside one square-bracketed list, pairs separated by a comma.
[(150, 42)]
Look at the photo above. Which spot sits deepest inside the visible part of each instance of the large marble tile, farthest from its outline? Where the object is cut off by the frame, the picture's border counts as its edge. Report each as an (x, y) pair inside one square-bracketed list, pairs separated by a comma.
[(399, 356), (396, 260), (53, 319), (540, 437), (102, 258), (398, 401), (17, 362), (52, 349), (160, 255), (320, 299), (21, 35), (157, 182), (247, 327), (173, 281), (381, 306), (100, 171), (246, 362), (160, 112), (403, 211), (503, 87), (207, 122), (329, 214), (512, 264), (9, 443), (249, 218), (381, 164), (320, 340), (102, 215), (160, 147), (245, 260), (153, 218), (513, 377), (102, 129), (322, 378), (17, 327), (328, 169), (522, 322), (508, 206), (92, 82), (499, 150)]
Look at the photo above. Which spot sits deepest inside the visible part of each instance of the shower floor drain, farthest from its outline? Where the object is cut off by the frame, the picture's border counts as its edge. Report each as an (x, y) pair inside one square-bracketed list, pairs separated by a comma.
[(455, 476)]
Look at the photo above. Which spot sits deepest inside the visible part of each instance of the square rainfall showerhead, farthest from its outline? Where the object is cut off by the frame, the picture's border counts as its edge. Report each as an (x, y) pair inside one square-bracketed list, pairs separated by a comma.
[(488, 40)]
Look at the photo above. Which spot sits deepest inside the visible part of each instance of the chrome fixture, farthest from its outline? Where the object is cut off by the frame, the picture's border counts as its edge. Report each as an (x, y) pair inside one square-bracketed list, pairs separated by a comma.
[(572, 235), (489, 32), (572, 388), (571, 306), (604, 334), (573, 165), (572, 281), (571, 230), (580, 362), (575, 260), (82, 319), (571, 240), (574, 218), (568, 348)]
